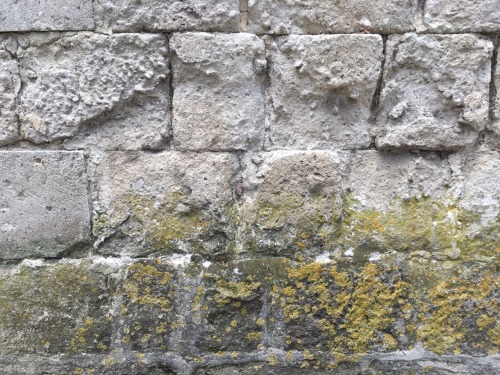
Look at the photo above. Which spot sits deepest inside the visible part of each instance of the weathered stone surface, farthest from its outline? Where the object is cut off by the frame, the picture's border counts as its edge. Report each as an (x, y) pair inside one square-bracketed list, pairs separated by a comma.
[(323, 17), (458, 16), (231, 117), (42, 15), (494, 125), (321, 90), (435, 91), (293, 201), (169, 15), (88, 82), (10, 84), (164, 202), (44, 204)]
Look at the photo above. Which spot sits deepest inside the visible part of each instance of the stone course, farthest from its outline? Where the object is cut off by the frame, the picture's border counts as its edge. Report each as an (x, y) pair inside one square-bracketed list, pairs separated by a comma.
[(217, 187)]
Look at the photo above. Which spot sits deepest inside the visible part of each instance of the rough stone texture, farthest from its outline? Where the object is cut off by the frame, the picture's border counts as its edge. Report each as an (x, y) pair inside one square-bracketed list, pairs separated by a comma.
[(458, 16), (435, 91), (495, 123), (321, 90), (44, 207), (323, 17), (113, 87), (231, 117), (164, 202), (10, 84), (168, 15), (42, 15)]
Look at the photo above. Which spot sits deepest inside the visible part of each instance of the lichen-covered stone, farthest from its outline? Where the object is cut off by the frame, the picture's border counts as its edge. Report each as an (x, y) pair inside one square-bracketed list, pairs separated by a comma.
[(164, 202), (325, 17), (113, 90), (168, 15), (459, 16), (44, 204), (321, 90), (435, 91), (10, 84), (230, 117), (293, 201), (43, 15)]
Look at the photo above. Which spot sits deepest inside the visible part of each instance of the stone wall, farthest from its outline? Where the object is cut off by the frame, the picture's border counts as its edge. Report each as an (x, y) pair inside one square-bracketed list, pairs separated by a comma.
[(207, 187)]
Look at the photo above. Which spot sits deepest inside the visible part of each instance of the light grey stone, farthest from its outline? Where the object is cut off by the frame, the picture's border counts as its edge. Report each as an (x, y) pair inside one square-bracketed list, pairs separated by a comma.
[(218, 99), (164, 202), (323, 17), (111, 91), (167, 15), (494, 125), (44, 204), (10, 84), (42, 15), (435, 91), (321, 90), (459, 16)]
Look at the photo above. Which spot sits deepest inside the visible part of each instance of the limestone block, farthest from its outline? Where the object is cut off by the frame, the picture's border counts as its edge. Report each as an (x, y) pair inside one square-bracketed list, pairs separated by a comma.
[(168, 15), (111, 91), (324, 17), (164, 202), (495, 123), (459, 16), (435, 91), (293, 201), (321, 90), (218, 91), (10, 84), (44, 204), (43, 15)]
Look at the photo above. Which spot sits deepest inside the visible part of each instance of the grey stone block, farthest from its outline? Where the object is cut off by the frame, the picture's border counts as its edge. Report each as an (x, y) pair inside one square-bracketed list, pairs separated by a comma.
[(10, 84), (44, 205), (42, 15), (321, 90), (218, 91)]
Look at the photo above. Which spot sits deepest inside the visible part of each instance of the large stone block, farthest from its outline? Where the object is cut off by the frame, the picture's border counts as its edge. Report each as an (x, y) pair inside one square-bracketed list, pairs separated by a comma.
[(42, 15), (168, 15), (435, 91), (10, 84), (218, 91), (44, 204), (459, 16), (111, 91), (164, 202), (324, 17), (321, 90)]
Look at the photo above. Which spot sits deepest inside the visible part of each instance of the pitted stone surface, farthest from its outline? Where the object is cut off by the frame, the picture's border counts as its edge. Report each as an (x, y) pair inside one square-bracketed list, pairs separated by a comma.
[(459, 16), (321, 90), (230, 117), (10, 84), (435, 91), (495, 123), (42, 15), (85, 82), (323, 17), (168, 15), (44, 206), (164, 202)]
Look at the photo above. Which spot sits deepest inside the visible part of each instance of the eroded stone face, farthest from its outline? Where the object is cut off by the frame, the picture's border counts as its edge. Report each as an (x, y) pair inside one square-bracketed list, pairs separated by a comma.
[(230, 117), (44, 204), (435, 91), (9, 87), (164, 202), (321, 90), (111, 91), (323, 17), (43, 15), (170, 15)]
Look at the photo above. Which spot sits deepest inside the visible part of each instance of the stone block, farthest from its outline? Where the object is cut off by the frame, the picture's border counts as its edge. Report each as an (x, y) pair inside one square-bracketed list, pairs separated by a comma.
[(435, 91), (459, 16), (44, 15), (44, 204), (325, 17), (110, 91), (169, 15), (10, 83), (218, 99), (293, 201), (494, 125), (164, 202), (321, 90)]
